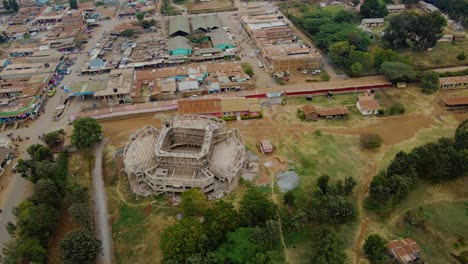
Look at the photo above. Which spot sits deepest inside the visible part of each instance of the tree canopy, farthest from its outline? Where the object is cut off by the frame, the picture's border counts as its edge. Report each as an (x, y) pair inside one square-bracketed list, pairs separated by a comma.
[(398, 71), (85, 132), (255, 208), (374, 248), (373, 9), (329, 249), (414, 30), (430, 82), (80, 247), (238, 248), (193, 202), (73, 4), (218, 221)]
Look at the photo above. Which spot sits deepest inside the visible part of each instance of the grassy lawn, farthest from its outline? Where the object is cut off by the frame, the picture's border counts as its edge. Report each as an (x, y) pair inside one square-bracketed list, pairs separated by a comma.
[(445, 223), (442, 55)]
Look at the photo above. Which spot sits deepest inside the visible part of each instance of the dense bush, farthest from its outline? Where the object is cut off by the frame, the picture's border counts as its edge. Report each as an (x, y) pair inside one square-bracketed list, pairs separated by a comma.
[(374, 248), (370, 141)]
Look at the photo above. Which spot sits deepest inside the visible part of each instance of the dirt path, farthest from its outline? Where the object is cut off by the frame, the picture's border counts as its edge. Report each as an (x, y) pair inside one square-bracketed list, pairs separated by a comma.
[(364, 219)]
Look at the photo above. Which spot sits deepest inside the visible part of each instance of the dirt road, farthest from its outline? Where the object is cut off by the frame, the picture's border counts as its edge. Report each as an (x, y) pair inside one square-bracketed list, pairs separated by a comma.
[(103, 230)]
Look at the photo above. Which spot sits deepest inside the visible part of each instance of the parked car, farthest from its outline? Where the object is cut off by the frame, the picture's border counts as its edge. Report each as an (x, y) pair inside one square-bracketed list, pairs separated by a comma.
[(315, 72), (260, 64), (304, 71), (252, 55)]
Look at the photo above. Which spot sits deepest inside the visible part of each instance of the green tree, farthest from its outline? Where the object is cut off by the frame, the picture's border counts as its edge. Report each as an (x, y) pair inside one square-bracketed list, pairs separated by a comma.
[(461, 56), (127, 33), (356, 69), (218, 221), (140, 16), (182, 240), (73, 4), (85, 132), (461, 136), (397, 71), (209, 258), (80, 247), (6, 5), (30, 250), (247, 69), (330, 207), (14, 5), (373, 9), (366, 59), (289, 199), (238, 248), (54, 138), (45, 191), (193, 202), (37, 221), (270, 257), (39, 152), (370, 141), (382, 55), (81, 213), (255, 208), (349, 185), (345, 16), (340, 51), (266, 237), (374, 248), (430, 82), (322, 183), (329, 249), (11, 228)]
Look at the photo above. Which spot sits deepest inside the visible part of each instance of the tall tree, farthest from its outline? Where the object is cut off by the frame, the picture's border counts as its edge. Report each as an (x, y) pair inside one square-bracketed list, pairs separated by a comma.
[(266, 237), (14, 5), (80, 247), (45, 191), (73, 4), (238, 248), (30, 250), (329, 249), (374, 248), (374, 9), (140, 16), (81, 213), (430, 82), (6, 4), (182, 240), (37, 221), (340, 51), (85, 132), (356, 69), (429, 29), (461, 136), (218, 221), (193, 202), (255, 208)]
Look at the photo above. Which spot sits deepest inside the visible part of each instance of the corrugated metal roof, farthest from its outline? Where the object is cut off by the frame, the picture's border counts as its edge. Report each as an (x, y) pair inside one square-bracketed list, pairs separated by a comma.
[(454, 101), (404, 251), (178, 43), (200, 106), (219, 37), (179, 23)]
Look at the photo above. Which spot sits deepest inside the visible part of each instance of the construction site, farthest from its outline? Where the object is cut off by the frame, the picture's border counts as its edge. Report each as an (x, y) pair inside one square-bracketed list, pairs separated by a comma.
[(189, 151)]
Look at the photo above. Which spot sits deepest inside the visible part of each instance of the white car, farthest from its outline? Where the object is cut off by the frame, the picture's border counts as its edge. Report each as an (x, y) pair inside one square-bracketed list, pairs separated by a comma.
[(315, 72), (304, 71), (252, 55), (260, 64)]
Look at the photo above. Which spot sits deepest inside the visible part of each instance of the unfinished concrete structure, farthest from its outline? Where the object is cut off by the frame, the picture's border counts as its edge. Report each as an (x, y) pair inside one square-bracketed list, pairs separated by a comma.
[(190, 151)]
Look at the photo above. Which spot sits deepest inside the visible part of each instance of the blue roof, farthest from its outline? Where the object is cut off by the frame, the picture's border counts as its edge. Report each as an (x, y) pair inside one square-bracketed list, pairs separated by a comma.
[(97, 63), (42, 1)]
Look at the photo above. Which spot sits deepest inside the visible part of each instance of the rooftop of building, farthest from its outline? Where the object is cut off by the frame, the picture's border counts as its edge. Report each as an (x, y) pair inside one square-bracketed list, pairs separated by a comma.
[(120, 82), (87, 87), (288, 51), (453, 80)]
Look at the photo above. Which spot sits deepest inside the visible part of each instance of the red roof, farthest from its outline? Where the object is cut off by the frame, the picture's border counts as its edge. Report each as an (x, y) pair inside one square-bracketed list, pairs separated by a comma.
[(200, 106), (454, 101), (369, 105), (404, 251)]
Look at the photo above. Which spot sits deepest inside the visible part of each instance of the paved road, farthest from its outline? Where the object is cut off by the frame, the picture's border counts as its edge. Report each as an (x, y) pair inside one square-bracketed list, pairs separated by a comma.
[(103, 230)]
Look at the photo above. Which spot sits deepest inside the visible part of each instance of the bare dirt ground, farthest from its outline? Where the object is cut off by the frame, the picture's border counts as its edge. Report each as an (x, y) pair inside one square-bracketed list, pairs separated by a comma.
[(218, 4), (281, 125)]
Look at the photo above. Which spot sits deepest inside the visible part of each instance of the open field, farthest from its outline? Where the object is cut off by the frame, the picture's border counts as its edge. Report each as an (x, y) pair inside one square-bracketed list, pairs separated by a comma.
[(442, 55), (197, 6), (138, 221)]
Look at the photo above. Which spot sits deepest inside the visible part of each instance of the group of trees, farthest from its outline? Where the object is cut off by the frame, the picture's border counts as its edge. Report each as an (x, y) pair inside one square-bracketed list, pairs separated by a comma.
[(86, 131), (438, 161), (73, 4), (145, 23), (455, 9), (38, 215), (373, 9), (10, 5), (327, 29), (414, 30), (226, 235)]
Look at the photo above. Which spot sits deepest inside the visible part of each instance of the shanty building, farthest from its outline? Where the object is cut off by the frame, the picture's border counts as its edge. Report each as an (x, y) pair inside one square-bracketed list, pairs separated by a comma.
[(179, 46), (454, 82), (179, 26), (205, 23), (404, 251), (373, 22), (312, 113)]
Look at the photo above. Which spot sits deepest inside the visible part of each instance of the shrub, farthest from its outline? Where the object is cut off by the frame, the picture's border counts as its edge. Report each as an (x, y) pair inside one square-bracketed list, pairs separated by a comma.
[(247, 69), (397, 109), (370, 141), (300, 114), (461, 56)]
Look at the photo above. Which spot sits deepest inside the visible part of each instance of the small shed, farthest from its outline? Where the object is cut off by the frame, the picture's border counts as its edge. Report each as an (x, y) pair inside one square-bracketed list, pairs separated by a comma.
[(404, 251), (266, 147), (373, 22)]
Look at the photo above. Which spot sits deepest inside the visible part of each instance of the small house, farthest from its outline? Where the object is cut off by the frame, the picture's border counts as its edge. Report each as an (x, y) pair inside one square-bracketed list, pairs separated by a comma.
[(266, 146), (312, 113), (373, 22), (396, 8), (456, 103), (404, 251), (367, 105)]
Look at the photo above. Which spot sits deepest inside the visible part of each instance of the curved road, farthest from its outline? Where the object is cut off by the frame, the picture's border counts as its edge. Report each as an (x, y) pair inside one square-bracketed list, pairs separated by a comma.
[(103, 230)]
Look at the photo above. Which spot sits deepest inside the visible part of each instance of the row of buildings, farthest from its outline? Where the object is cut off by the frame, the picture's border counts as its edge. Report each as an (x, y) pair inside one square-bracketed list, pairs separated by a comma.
[(23, 81), (279, 47), (130, 85)]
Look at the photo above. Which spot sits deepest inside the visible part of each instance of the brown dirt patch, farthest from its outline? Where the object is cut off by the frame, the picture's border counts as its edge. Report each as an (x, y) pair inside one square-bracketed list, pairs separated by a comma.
[(147, 210)]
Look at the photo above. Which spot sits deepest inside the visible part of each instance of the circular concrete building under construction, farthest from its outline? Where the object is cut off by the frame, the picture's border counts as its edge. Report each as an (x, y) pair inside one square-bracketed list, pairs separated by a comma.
[(189, 151)]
